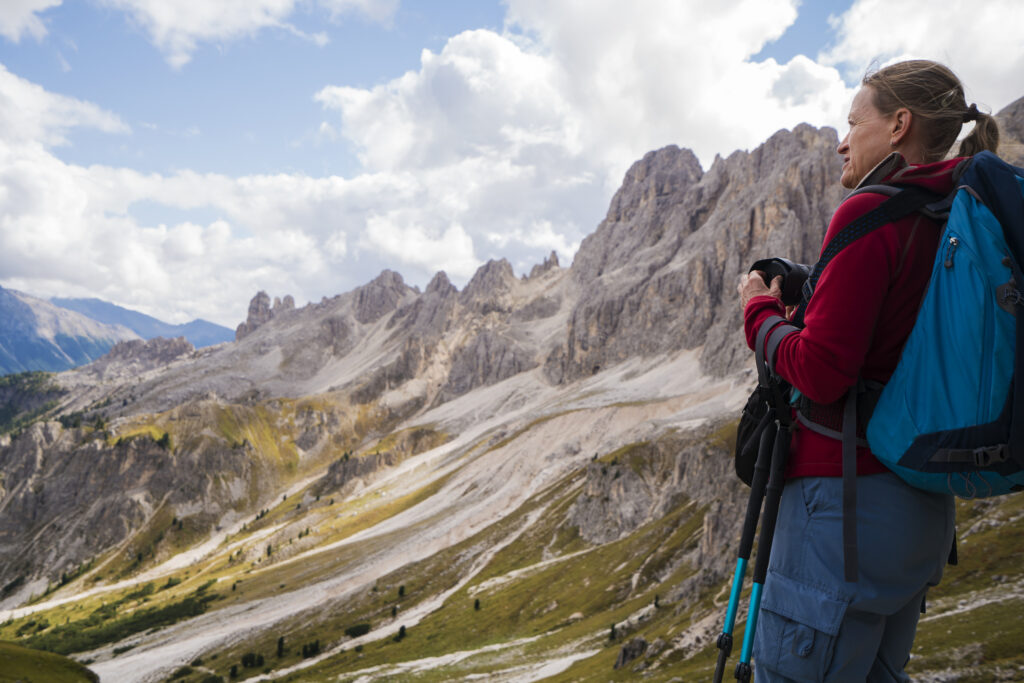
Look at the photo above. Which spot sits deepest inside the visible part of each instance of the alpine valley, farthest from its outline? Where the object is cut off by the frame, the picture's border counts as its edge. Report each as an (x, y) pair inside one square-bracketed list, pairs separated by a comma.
[(527, 479)]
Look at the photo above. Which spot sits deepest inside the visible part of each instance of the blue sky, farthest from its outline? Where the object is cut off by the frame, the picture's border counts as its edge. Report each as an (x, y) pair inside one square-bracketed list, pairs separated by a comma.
[(176, 156)]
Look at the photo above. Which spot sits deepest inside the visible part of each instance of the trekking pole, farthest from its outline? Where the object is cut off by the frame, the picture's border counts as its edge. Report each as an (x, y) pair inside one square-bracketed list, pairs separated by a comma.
[(773, 495), (757, 490)]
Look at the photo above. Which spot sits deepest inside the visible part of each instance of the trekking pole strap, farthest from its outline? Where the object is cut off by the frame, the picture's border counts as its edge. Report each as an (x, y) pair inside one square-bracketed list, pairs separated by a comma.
[(763, 371), (780, 332), (772, 331)]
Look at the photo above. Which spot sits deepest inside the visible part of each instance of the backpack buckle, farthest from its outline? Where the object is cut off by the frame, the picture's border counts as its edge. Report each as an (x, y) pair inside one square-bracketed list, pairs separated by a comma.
[(1009, 296), (985, 456)]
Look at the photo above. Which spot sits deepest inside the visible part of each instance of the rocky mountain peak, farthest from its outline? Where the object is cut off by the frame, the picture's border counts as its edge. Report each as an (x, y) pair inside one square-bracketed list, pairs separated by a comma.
[(549, 263), (380, 296), (282, 305), (260, 312), (440, 285), (661, 269), (490, 280), (652, 187), (657, 175)]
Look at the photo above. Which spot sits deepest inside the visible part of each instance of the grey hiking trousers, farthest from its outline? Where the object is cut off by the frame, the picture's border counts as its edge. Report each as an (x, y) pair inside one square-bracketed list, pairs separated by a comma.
[(813, 625)]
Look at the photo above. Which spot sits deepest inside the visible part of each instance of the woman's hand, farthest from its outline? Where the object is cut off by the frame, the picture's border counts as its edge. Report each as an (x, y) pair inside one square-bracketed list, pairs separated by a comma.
[(752, 284)]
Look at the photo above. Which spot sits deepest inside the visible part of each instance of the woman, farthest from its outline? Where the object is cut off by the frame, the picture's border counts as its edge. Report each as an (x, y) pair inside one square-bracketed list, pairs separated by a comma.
[(813, 624)]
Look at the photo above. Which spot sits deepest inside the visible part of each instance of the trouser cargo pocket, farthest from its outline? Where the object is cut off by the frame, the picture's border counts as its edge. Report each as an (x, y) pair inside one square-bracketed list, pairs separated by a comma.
[(796, 629)]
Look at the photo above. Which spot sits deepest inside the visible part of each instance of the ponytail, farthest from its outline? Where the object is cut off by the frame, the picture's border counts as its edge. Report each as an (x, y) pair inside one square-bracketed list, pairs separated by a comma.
[(984, 136)]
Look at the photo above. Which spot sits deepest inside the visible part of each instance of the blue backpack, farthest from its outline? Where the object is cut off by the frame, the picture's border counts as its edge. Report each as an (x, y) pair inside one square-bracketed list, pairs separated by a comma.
[(951, 418)]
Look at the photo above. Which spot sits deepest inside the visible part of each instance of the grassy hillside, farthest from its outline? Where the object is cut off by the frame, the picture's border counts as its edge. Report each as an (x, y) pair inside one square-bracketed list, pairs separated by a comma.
[(34, 666), (524, 597)]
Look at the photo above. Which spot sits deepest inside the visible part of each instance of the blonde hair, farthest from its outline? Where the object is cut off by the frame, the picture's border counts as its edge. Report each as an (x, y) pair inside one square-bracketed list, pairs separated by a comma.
[(935, 96)]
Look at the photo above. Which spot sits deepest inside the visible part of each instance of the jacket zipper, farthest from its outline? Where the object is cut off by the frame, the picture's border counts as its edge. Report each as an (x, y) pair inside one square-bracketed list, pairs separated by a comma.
[(954, 242)]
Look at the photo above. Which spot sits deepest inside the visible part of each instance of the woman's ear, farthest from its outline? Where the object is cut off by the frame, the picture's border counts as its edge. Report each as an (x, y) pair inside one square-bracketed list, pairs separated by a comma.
[(901, 121)]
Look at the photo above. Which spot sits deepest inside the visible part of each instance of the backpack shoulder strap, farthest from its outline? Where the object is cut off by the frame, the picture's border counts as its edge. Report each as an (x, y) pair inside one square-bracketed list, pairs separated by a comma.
[(902, 201)]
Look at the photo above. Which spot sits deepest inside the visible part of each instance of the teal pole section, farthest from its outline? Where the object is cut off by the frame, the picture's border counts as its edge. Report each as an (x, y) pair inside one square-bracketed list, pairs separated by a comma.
[(734, 598), (748, 635)]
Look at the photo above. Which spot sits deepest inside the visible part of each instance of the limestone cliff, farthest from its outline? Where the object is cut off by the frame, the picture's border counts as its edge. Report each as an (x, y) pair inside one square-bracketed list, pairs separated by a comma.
[(659, 273)]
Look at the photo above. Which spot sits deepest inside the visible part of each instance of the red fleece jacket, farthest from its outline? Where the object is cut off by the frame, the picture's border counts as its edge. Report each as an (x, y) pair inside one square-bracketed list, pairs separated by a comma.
[(862, 311)]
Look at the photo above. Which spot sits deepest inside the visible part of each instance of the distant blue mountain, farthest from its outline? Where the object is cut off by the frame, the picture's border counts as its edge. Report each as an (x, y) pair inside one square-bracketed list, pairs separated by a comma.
[(200, 332), (37, 335)]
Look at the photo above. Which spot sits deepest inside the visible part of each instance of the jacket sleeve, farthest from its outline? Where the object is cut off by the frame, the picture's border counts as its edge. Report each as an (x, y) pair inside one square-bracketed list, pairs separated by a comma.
[(825, 358)]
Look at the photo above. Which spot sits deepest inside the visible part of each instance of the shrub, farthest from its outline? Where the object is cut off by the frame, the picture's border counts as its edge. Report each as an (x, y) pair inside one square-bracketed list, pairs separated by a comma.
[(280, 647), (102, 626), (311, 649), (357, 630)]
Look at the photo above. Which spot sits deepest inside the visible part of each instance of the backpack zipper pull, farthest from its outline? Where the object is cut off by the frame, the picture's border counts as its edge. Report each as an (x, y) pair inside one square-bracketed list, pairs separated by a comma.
[(954, 242)]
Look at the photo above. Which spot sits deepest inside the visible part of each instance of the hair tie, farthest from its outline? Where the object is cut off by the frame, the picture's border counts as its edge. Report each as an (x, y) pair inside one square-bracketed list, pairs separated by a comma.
[(972, 113)]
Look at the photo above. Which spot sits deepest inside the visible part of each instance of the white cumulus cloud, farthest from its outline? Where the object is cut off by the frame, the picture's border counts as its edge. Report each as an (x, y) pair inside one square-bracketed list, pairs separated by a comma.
[(980, 41), (19, 17), (450, 250), (177, 27), (500, 144), (30, 114)]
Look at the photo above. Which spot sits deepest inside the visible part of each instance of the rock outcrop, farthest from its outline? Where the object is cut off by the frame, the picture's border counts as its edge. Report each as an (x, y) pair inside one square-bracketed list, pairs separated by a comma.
[(71, 494), (487, 359), (137, 356), (344, 471), (260, 313), (1011, 132)]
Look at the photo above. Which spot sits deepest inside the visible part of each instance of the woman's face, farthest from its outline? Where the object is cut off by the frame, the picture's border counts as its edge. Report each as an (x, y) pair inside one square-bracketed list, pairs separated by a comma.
[(867, 143)]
